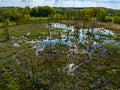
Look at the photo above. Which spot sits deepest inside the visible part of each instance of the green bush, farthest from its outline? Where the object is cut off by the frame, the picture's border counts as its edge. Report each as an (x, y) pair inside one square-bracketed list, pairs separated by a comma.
[(117, 19), (108, 19)]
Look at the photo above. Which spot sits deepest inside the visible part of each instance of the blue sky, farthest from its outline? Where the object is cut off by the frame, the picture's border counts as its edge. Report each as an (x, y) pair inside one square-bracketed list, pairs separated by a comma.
[(115, 4)]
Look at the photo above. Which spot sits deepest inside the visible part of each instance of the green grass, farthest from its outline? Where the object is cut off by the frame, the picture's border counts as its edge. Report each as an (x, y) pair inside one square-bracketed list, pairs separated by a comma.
[(38, 18), (9, 24), (34, 29)]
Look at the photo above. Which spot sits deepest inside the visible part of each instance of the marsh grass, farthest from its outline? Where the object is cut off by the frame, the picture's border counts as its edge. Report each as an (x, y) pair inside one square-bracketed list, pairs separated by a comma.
[(48, 68)]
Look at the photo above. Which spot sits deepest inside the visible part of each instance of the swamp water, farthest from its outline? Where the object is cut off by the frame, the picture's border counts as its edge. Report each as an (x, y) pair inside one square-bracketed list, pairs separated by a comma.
[(72, 37)]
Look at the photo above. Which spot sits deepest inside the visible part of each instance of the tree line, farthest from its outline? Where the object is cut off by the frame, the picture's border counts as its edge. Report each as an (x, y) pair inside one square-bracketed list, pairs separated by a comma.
[(85, 14)]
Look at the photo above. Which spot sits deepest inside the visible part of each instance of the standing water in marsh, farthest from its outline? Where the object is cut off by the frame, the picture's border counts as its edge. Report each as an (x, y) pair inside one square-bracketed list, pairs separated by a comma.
[(90, 41), (78, 40), (63, 53)]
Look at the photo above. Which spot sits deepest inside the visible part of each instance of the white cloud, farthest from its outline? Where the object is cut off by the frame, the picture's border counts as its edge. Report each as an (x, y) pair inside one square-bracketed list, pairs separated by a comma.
[(63, 3)]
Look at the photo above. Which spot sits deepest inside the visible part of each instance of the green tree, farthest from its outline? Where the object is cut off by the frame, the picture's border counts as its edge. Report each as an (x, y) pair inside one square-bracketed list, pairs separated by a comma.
[(101, 14), (6, 13), (26, 13), (6, 31), (42, 11), (34, 12)]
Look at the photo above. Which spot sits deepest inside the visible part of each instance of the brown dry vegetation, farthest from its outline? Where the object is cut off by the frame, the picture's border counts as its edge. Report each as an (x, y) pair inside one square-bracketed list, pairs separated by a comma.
[(81, 24)]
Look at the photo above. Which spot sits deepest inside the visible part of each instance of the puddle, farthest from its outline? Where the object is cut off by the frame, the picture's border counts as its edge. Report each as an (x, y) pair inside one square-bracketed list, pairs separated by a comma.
[(16, 44)]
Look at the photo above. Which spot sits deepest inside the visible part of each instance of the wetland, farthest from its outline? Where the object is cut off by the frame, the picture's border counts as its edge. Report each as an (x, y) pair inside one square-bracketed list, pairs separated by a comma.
[(63, 57)]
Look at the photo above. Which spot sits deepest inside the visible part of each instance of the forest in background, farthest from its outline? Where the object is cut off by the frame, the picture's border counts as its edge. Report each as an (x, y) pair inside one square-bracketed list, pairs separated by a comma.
[(20, 15)]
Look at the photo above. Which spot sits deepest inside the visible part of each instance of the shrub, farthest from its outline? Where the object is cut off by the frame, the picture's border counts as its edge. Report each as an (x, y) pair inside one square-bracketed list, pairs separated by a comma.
[(117, 19), (108, 19)]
